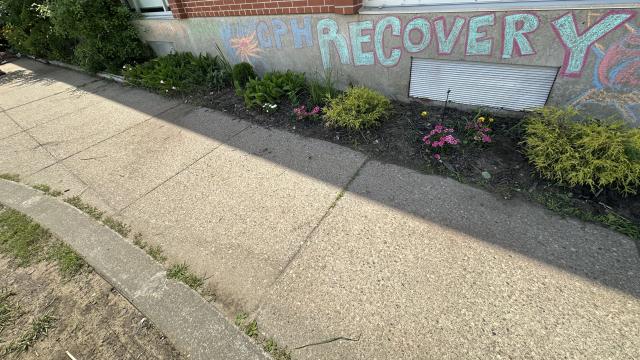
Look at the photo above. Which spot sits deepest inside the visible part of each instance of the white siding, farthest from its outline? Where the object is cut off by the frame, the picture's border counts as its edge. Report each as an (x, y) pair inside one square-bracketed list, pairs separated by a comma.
[(513, 87)]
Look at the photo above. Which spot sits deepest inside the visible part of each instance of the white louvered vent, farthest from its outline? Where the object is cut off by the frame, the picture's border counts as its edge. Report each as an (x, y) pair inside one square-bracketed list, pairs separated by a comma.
[(512, 87)]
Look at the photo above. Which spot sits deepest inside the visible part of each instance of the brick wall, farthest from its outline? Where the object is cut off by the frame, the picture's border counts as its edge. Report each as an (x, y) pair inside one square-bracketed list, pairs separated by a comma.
[(183, 9)]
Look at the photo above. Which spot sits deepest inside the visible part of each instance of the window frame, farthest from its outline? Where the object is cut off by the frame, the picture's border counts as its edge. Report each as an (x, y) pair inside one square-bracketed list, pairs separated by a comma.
[(164, 14)]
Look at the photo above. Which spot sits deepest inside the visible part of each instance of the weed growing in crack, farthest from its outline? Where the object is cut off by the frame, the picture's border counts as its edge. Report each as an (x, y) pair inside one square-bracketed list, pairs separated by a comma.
[(268, 344), (240, 318), (251, 329), (117, 226), (39, 329), (10, 177), (181, 272), (47, 190), (78, 203), (155, 251)]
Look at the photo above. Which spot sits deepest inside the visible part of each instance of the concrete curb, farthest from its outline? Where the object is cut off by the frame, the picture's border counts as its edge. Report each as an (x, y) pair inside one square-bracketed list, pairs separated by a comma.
[(194, 326)]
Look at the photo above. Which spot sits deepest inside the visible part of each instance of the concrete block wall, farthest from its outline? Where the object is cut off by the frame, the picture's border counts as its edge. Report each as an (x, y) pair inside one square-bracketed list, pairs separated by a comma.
[(596, 51), (183, 9)]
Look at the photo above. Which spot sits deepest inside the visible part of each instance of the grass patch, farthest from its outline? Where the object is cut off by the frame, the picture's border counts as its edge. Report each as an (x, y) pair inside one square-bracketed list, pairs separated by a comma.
[(39, 329), (21, 238), (563, 205), (47, 190), (117, 226), (8, 311), (69, 262), (268, 344), (78, 203), (27, 242), (10, 177), (181, 272), (155, 251)]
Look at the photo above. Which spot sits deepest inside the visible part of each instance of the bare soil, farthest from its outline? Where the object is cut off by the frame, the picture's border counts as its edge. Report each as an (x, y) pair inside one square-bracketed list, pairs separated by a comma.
[(92, 321)]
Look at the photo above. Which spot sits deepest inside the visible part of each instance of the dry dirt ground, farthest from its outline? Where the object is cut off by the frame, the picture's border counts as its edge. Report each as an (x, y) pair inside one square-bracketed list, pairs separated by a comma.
[(90, 319)]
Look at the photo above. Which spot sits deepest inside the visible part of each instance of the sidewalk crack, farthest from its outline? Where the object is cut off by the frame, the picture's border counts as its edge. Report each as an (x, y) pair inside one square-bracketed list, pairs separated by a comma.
[(306, 239)]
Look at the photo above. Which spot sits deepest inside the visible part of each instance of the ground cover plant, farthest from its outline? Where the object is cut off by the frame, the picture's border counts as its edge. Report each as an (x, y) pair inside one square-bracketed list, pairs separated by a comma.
[(180, 73), (267, 92), (577, 150), (357, 108)]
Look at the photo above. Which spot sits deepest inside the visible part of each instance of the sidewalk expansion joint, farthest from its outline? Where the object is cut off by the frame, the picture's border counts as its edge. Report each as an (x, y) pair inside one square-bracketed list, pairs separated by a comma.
[(326, 214), (186, 167)]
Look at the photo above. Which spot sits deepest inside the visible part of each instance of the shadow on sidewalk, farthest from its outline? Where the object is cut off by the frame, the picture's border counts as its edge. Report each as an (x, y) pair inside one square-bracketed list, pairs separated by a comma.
[(581, 249)]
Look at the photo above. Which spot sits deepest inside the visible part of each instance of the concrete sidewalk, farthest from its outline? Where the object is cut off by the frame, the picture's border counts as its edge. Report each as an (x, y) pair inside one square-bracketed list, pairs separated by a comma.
[(413, 266)]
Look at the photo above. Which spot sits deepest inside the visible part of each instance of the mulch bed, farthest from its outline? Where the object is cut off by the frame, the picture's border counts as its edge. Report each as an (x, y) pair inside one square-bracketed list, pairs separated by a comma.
[(398, 141)]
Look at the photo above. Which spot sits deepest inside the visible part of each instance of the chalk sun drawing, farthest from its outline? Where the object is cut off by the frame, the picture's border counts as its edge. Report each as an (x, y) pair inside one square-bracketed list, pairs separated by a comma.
[(246, 47)]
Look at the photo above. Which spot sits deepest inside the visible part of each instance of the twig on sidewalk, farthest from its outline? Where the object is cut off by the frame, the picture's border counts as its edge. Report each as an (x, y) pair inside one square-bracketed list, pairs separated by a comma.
[(328, 341)]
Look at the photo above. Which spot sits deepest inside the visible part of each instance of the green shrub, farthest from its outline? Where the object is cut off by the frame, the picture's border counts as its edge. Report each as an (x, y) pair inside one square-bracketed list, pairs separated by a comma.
[(106, 38), (357, 108), (273, 87), (241, 74), (96, 35), (577, 150), (28, 28), (179, 72), (322, 89)]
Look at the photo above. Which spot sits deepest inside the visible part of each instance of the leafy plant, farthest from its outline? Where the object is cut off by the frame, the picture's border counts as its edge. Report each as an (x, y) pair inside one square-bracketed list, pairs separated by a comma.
[(180, 72), (105, 37), (322, 89), (576, 150), (273, 87), (357, 108), (241, 74), (28, 28)]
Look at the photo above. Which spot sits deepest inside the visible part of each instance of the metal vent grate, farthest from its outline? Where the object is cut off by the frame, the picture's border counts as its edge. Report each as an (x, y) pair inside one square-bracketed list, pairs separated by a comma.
[(513, 87)]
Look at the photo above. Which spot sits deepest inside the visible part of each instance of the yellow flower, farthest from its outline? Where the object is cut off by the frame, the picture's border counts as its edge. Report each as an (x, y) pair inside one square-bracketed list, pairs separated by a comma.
[(424, 114), (481, 119), (490, 119)]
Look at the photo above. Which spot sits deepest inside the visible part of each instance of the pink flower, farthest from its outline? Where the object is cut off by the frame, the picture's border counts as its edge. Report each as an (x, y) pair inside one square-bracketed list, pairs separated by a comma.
[(436, 156), (486, 138)]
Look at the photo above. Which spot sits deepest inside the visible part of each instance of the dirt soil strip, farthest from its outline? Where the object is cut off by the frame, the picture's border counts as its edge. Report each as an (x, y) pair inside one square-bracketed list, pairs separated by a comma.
[(91, 320), (194, 326)]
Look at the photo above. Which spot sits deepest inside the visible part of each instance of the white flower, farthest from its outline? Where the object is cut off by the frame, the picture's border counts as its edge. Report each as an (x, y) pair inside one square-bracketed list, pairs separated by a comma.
[(161, 81), (173, 88)]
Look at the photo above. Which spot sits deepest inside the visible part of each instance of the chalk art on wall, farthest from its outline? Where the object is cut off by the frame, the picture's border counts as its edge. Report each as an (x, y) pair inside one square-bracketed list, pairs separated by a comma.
[(246, 47), (386, 40), (616, 77)]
